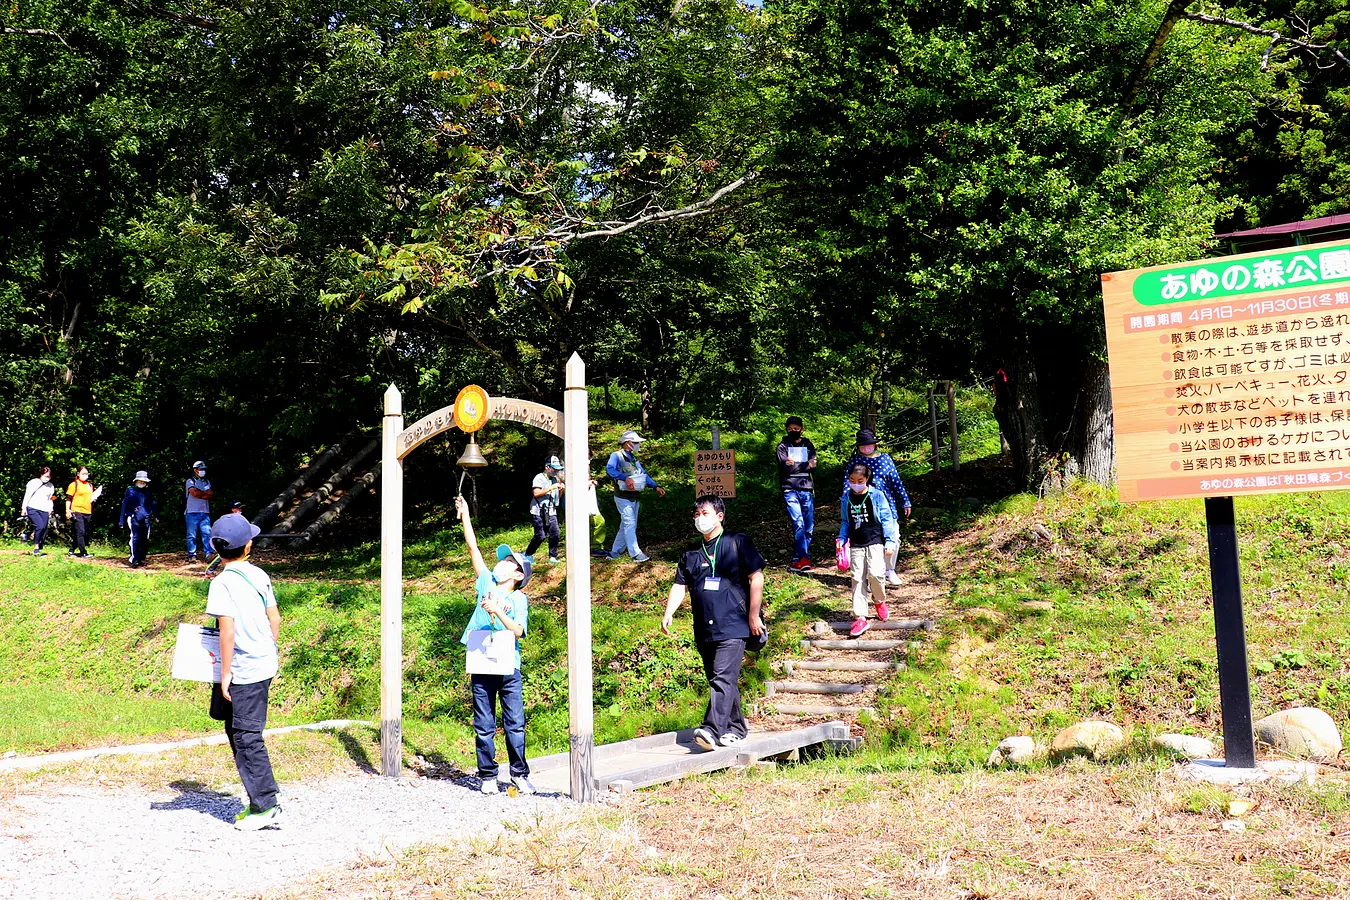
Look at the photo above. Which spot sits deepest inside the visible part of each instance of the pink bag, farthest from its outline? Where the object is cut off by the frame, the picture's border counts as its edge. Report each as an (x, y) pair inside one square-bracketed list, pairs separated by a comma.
[(841, 555)]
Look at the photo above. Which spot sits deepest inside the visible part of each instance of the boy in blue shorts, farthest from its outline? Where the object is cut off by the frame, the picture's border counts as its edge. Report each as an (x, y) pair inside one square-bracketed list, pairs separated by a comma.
[(245, 608), (502, 607)]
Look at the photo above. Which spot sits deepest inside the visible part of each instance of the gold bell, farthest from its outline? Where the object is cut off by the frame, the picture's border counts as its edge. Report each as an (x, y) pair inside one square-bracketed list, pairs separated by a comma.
[(471, 458)]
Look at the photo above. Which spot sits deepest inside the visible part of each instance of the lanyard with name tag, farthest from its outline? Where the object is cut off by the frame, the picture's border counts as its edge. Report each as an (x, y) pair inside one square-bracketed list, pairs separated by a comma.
[(712, 583)]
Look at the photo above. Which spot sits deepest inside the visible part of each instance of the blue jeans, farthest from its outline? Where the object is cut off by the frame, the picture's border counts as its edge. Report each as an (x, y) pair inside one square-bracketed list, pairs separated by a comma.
[(627, 537), (801, 507), (199, 524), (486, 689)]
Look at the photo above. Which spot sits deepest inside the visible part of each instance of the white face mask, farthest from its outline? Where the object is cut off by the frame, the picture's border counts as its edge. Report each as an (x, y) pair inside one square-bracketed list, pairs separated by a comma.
[(142, 484), (706, 524), (46, 479), (858, 488), (84, 476), (201, 473), (504, 571)]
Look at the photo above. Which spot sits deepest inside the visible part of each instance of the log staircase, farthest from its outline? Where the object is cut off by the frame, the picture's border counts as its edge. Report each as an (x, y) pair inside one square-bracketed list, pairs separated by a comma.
[(324, 490)]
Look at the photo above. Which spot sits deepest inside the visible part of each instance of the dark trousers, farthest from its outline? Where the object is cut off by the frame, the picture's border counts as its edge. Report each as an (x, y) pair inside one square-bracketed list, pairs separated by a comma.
[(486, 689), (722, 664), (79, 533), (245, 719), (140, 541), (40, 520), (545, 523)]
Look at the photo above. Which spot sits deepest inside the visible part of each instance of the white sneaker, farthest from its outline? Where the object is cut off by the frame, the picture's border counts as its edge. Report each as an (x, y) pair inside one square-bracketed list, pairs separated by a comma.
[(553, 560), (731, 740), (523, 784), (892, 578), (489, 785), (704, 738)]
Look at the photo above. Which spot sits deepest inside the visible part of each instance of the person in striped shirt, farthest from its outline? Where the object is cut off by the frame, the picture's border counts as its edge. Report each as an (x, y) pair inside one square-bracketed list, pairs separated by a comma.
[(885, 477)]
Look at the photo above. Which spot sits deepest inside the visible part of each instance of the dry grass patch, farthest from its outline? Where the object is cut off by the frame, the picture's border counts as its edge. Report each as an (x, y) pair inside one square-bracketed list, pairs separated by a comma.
[(1076, 832)]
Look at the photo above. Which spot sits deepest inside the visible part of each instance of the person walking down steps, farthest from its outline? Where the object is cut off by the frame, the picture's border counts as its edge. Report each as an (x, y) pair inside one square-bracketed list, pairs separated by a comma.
[(796, 465), (886, 478), (867, 524)]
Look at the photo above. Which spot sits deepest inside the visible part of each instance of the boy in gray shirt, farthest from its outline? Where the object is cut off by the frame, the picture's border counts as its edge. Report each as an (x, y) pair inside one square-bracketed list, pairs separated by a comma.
[(245, 607)]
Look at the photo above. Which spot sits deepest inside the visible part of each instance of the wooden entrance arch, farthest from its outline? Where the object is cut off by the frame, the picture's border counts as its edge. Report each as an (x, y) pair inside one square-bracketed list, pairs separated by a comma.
[(571, 424)]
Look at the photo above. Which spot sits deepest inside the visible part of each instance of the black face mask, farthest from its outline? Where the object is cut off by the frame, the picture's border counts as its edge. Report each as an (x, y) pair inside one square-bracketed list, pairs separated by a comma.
[(794, 437)]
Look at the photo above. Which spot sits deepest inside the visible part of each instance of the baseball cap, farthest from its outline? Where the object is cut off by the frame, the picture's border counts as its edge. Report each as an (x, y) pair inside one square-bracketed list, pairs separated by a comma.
[(141, 475), (866, 436), (504, 551), (795, 420), (631, 436), (234, 530), (238, 504), (553, 463), (199, 465)]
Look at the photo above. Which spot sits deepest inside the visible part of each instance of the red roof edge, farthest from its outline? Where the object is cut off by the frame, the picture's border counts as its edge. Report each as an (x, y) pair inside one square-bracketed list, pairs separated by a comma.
[(1290, 227)]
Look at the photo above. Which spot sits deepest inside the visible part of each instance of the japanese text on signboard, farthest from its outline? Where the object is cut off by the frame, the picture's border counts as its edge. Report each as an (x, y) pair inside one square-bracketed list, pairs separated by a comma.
[(715, 472), (1242, 394)]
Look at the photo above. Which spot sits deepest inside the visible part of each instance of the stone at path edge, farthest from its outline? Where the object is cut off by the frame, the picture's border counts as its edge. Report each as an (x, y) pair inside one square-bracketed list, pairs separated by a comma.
[(1302, 731), (1096, 739), (1014, 751), (1188, 746)]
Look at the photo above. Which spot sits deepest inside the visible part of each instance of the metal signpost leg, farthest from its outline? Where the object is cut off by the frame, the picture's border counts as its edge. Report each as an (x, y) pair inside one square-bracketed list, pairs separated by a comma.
[(391, 588), (1229, 634), (576, 424)]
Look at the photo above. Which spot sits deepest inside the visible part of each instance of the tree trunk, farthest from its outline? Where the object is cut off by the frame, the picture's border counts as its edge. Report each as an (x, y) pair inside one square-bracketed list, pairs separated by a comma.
[(325, 490), (1017, 406), (1092, 453), (357, 488)]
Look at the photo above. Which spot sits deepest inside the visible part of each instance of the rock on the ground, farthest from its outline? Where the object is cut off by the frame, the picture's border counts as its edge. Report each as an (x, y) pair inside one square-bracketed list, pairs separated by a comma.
[(1186, 745), (821, 628), (1038, 605), (1013, 751), (1096, 739), (1303, 731)]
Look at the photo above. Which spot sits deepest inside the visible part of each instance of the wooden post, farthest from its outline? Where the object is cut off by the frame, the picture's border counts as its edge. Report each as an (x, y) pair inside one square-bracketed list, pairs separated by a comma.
[(951, 425), (716, 438), (932, 416), (577, 470), (391, 588)]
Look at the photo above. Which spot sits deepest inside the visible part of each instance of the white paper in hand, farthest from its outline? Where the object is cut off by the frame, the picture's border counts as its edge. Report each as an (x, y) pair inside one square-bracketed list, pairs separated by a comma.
[(197, 654), (490, 652), (798, 454)]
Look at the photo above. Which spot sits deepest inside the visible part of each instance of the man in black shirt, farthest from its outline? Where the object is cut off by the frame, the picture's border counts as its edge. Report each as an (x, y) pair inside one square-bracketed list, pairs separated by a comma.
[(724, 577)]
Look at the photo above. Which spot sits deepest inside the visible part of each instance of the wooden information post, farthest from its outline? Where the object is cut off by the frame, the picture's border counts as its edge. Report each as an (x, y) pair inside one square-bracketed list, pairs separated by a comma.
[(470, 411), (715, 473), (1231, 376)]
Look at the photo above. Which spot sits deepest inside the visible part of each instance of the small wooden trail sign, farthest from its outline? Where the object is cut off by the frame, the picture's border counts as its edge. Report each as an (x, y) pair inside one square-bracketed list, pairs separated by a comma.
[(715, 473)]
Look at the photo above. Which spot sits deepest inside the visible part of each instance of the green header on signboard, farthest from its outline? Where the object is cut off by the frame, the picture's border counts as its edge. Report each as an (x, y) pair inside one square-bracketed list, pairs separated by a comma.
[(1309, 268)]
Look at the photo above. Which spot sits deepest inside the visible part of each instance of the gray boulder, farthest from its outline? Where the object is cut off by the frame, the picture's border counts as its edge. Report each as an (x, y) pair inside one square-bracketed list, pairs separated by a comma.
[(1187, 746), (1012, 751), (1095, 739), (1303, 731)]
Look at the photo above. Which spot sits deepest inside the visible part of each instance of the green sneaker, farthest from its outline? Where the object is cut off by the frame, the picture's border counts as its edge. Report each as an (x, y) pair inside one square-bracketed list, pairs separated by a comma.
[(243, 814), (255, 821)]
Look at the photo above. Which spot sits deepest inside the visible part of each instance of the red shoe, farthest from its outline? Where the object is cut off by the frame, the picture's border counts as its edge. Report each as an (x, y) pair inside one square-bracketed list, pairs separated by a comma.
[(797, 565), (859, 626), (806, 564), (883, 612)]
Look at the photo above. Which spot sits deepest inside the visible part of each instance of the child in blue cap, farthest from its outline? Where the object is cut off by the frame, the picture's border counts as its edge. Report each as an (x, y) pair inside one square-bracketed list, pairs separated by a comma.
[(502, 607)]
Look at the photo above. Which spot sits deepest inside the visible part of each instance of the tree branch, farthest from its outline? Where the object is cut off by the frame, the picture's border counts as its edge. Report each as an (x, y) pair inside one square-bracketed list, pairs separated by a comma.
[(203, 22), (1276, 37), (701, 207), (34, 32), (1175, 10)]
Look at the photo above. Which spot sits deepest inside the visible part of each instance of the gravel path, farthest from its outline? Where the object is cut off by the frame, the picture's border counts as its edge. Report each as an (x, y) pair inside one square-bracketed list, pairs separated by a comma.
[(85, 842)]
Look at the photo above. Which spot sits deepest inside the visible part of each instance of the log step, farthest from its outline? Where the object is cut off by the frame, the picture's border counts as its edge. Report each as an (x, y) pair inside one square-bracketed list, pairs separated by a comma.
[(852, 645), (889, 625), (792, 709), (811, 687), (839, 665)]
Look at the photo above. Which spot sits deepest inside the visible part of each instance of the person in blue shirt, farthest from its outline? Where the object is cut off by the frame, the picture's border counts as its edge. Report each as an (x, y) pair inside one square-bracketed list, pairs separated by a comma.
[(502, 606), (867, 523), (630, 480), (886, 478), (138, 508)]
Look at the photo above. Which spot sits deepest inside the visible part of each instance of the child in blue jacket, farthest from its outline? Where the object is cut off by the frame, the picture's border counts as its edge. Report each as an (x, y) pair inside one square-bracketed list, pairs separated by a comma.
[(868, 523)]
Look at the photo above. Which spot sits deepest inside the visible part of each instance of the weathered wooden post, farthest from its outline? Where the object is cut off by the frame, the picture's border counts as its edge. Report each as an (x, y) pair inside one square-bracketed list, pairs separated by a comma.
[(391, 588), (577, 470), (937, 444), (951, 425)]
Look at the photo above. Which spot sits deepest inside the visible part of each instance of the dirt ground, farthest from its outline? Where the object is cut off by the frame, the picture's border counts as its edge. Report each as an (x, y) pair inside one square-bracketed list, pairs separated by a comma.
[(1075, 832)]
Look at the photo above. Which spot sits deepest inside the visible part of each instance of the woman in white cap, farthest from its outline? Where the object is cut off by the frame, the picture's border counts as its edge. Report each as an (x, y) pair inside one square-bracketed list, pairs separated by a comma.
[(138, 508), (630, 480), (546, 494)]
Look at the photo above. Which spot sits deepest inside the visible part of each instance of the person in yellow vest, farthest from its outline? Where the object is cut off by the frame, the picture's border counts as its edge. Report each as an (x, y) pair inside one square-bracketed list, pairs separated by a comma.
[(80, 497)]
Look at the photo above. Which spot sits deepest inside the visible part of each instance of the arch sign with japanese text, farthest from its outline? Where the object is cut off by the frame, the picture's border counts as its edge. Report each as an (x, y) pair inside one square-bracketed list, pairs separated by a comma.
[(1232, 375)]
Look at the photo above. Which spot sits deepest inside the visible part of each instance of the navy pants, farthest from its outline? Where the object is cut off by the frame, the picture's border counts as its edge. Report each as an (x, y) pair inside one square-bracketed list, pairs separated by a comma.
[(79, 534), (140, 541), (245, 719), (40, 519), (545, 525), (486, 690), (722, 665)]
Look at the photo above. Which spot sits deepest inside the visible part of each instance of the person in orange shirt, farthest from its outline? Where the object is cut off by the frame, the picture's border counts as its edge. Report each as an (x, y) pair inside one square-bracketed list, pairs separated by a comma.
[(80, 497)]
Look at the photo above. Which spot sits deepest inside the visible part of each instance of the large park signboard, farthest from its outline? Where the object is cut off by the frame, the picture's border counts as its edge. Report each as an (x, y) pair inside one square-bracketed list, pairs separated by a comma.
[(1232, 375)]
